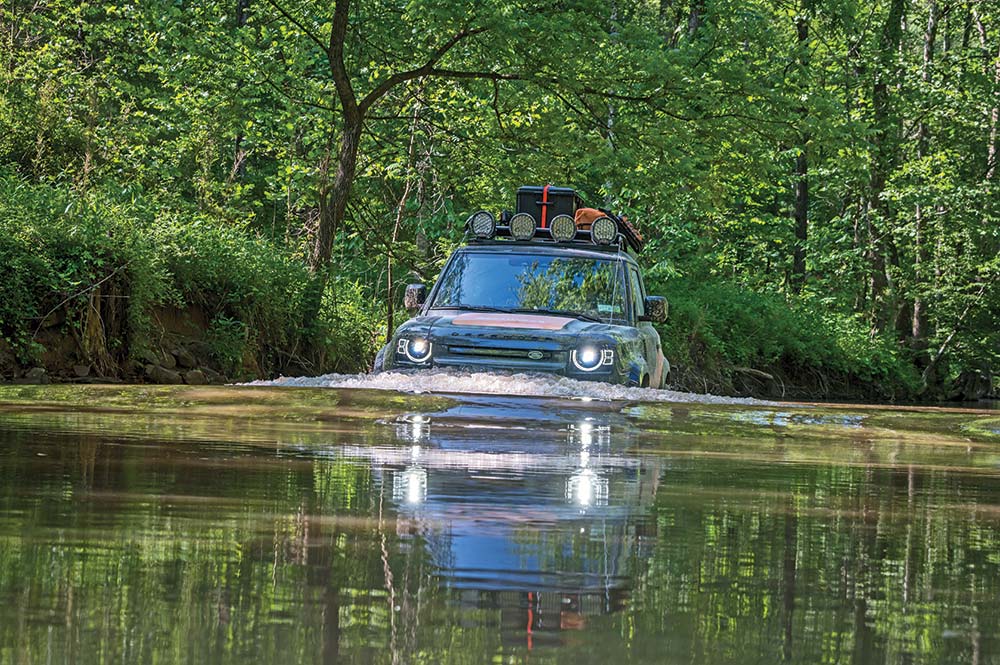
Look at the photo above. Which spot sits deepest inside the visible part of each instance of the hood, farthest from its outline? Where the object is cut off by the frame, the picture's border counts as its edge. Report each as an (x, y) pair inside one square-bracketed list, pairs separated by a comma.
[(505, 320), (559, 330)]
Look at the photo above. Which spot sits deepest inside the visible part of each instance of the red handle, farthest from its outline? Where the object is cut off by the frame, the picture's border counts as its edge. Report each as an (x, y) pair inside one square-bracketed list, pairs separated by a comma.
[(545, 204)]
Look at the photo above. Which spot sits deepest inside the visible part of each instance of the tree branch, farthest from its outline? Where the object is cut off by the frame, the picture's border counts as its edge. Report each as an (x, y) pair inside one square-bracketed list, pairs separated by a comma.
[(426, 69), (298, 100), (273, 85), (492, 76), (298, 24), (335, 56)]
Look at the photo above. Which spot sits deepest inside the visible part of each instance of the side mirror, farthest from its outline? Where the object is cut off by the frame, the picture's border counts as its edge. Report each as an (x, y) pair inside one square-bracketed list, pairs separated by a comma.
[(656, 309), (415, 296)]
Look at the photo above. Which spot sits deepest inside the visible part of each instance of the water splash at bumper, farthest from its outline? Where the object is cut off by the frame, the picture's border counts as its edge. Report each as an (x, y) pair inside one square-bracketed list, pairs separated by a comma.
[(532, 385)]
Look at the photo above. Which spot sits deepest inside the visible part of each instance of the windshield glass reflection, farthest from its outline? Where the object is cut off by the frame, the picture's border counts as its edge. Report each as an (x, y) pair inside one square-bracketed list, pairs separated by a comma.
[(510, 282)]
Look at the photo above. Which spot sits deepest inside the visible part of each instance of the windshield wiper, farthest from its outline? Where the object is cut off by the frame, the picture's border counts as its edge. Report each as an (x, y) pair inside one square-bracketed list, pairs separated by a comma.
[(473, 308), (558, 312)]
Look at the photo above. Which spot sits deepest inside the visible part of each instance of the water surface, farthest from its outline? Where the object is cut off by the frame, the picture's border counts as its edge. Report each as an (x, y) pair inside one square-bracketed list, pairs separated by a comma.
[(284, 525)]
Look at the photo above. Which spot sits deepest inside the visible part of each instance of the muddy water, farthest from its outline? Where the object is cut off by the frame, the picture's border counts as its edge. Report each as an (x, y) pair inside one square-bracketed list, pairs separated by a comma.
[(283, 525)]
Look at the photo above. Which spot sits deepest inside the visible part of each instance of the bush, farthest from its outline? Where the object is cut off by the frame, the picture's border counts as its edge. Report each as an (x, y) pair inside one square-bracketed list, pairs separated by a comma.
[(60, 249), (353, 330), (227, 342), (717, 330), (72, 255)]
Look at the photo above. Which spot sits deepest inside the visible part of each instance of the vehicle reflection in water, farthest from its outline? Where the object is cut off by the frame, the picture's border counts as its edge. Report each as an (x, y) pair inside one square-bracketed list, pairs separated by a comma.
[(542, 525), (495, 529)]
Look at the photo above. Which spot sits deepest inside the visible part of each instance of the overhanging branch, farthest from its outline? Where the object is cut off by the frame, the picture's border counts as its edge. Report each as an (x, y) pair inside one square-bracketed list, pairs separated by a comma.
[(299, 24), (426, 69), (489, 76)]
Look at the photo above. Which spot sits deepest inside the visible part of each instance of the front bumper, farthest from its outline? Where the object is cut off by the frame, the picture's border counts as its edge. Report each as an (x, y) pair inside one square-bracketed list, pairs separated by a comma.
[(511, 356)]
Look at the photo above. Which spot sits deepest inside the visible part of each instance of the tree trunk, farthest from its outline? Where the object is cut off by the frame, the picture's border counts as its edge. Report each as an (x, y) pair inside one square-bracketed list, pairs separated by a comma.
[(238, 169), (801, 219), (991, 152), (695, 17), (333, 204), (882, 160), (801, 211), (991, 144), (919, 327), (334, 207), (242, 7)]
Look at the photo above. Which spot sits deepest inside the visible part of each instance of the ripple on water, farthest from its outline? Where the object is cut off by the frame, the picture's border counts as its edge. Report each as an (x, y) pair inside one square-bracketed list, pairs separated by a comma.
[(534, 385), (785, 419)]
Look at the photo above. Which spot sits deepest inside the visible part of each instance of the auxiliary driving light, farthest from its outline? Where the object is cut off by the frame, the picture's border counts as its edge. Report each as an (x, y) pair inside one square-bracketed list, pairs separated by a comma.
[(604, 230), (483, 224), (522, 226), (563, 228), (416, 350)]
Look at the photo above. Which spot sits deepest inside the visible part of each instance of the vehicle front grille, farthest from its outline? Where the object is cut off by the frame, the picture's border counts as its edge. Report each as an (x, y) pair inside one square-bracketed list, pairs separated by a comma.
[(487, 352)]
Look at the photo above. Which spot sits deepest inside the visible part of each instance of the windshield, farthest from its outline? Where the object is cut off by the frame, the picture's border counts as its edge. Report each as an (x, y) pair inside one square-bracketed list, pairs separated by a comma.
[(591, 288)]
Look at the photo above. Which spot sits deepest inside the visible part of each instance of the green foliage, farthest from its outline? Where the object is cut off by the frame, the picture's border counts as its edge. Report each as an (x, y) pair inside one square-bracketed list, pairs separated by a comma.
[(208, 136), (352, 328), (715, 327), (227, 340), (57, 247)]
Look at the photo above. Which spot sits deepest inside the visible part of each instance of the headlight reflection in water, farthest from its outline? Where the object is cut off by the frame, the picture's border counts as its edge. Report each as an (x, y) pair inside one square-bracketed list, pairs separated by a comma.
[(409, 486), (414, 428), (586, 487)]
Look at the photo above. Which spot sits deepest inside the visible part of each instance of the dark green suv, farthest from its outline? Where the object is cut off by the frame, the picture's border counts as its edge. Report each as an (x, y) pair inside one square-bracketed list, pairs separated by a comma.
[(538, 292)]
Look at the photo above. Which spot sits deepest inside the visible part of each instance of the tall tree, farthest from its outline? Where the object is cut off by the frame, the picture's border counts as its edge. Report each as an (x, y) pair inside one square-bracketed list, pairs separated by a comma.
[(884, 143), (919, 322), (994, 113), (354, 107), (801, 207)]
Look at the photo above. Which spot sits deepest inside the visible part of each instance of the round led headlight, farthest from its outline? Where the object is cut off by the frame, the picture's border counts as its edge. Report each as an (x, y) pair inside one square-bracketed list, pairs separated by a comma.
[(588, 358), (563, 228), (482, 224), (604, 230), (416, 349), (522, 226)]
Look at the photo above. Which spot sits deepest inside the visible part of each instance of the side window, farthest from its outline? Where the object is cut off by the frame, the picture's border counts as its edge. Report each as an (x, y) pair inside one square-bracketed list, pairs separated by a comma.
[(638, 295)]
